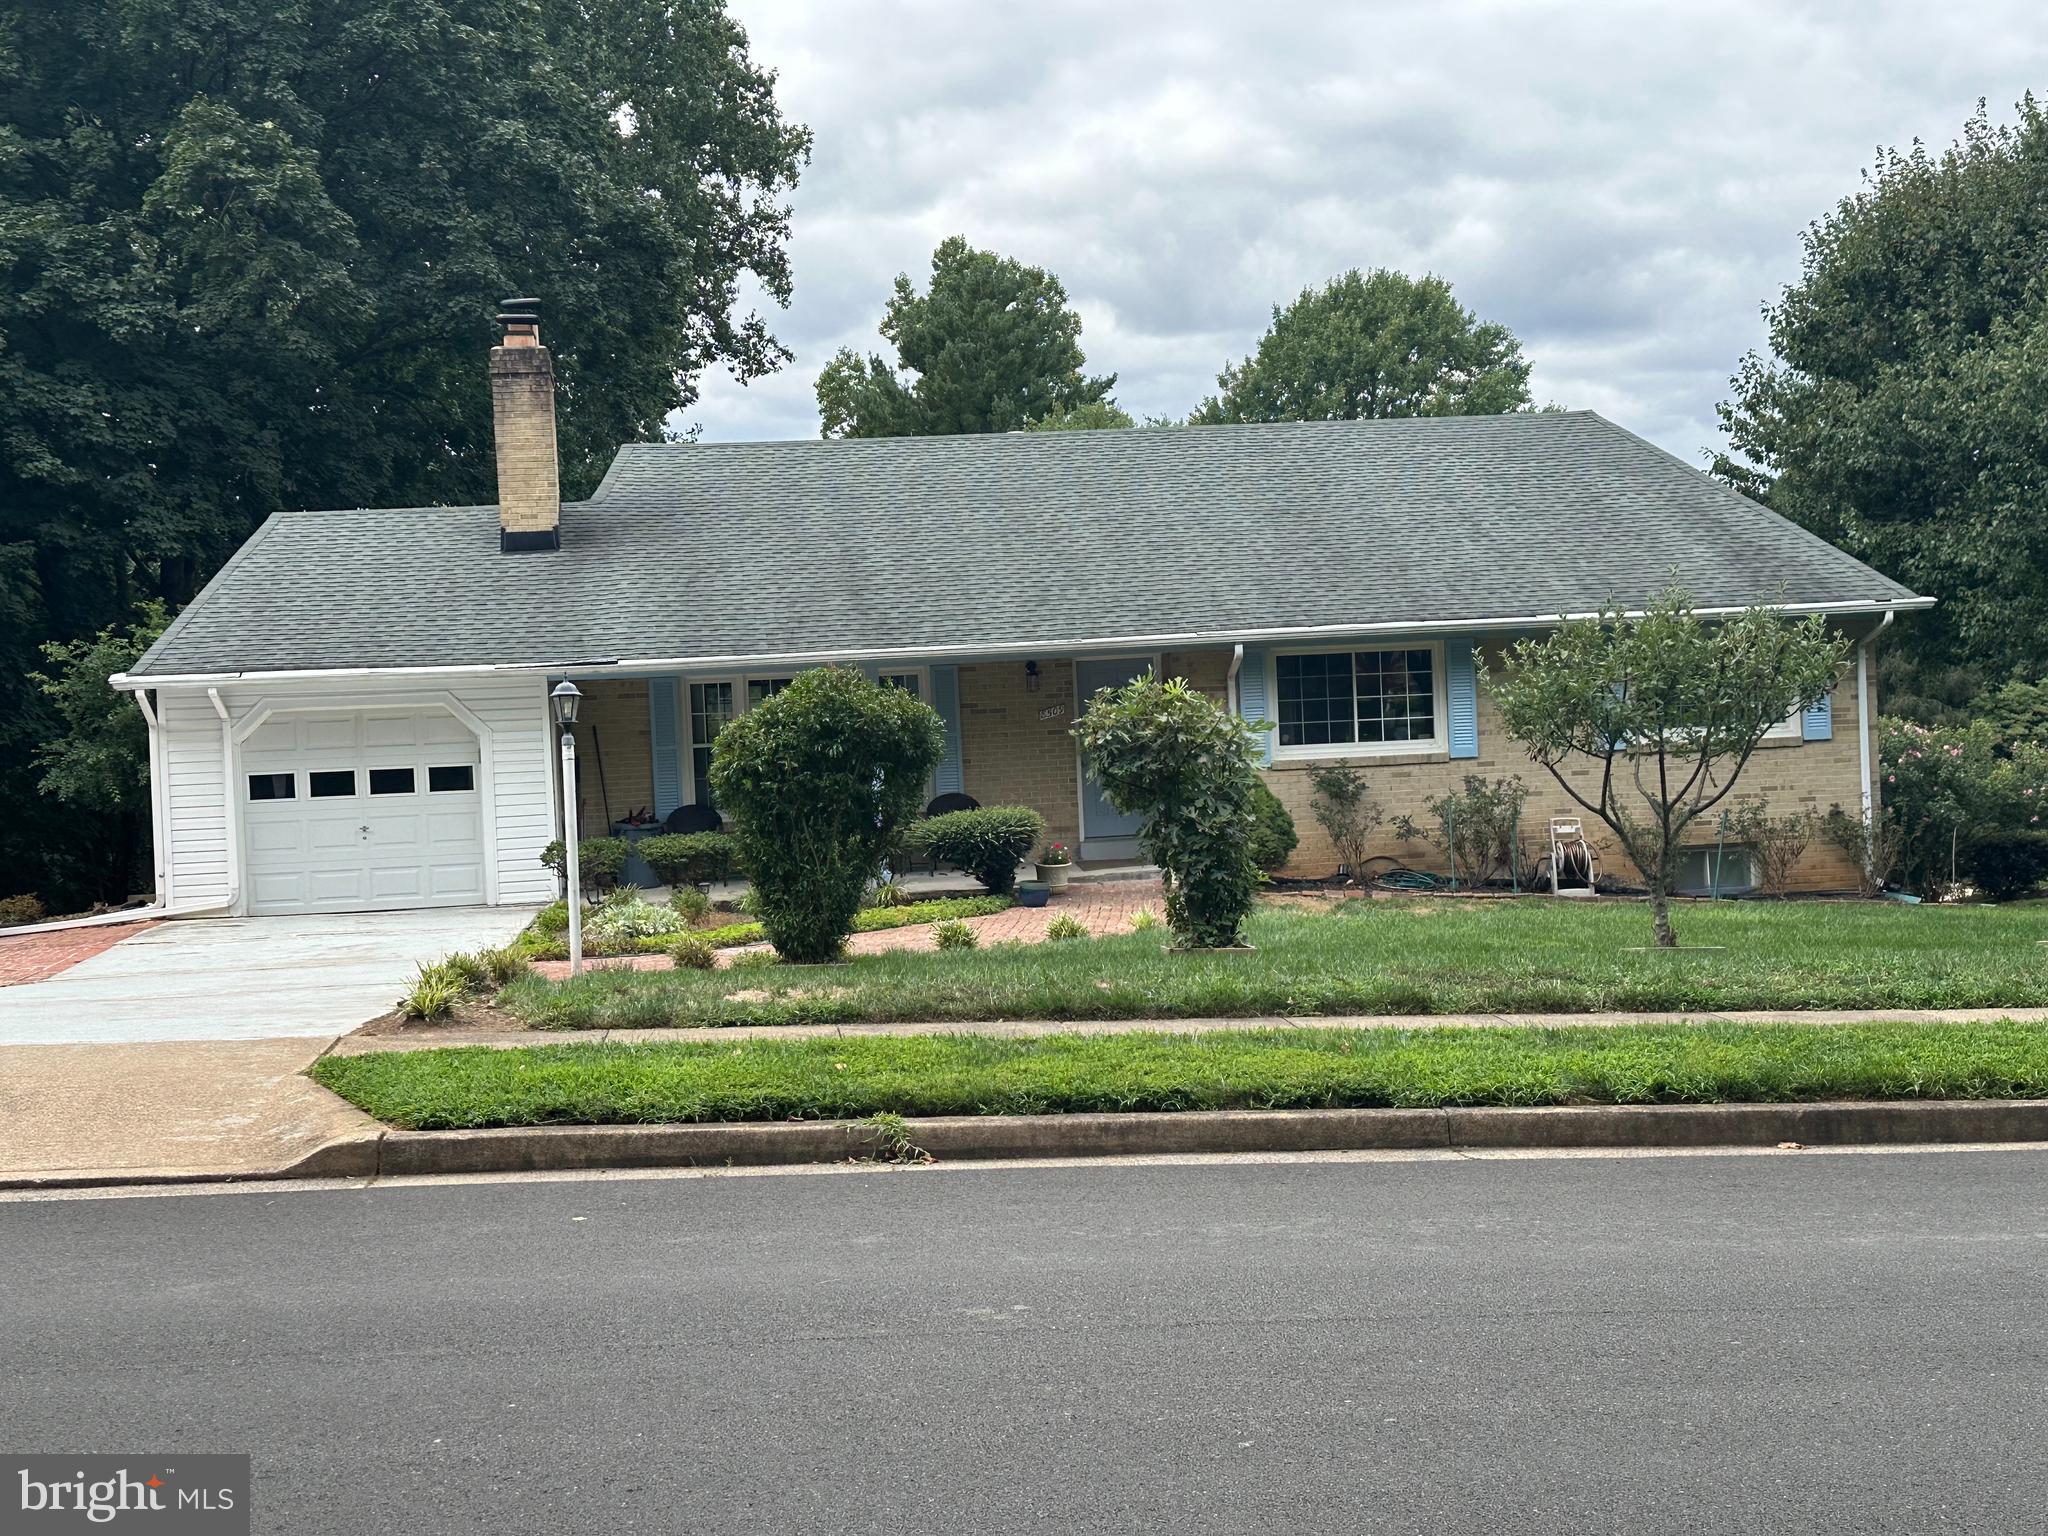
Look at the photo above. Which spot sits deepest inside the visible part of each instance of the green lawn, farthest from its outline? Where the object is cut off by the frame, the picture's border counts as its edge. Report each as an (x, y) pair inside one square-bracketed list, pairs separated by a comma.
[(767, 1079), (1537, 955)]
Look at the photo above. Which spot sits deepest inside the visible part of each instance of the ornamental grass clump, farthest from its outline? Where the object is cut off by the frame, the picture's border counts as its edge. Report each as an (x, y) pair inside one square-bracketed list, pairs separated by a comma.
[(1169, 754), (816, 781)]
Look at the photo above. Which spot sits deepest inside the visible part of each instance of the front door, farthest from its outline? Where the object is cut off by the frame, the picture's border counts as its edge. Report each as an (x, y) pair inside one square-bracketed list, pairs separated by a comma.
[(1106, 832)]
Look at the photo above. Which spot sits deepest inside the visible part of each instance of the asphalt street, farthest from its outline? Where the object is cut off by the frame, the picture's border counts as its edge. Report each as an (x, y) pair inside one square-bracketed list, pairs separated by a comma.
[(1792, 1343)]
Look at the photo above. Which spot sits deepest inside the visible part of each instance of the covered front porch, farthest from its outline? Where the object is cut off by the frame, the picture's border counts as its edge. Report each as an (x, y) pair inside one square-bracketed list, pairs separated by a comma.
[(644, 742)]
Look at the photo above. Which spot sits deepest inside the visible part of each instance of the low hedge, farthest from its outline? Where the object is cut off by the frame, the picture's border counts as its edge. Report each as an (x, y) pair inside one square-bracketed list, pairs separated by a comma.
[(691, 858)]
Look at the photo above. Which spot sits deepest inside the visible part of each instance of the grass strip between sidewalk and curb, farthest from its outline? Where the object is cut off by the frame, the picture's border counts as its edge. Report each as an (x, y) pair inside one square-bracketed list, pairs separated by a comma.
[(955, 1074)]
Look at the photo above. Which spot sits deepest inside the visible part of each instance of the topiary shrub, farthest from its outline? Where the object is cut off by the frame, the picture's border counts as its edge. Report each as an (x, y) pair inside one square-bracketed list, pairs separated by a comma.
[(16, 910), (691, 858), (599, 862), (1273, 834), (816, 781), (987, 843), (2008, 865), (1169, 754)]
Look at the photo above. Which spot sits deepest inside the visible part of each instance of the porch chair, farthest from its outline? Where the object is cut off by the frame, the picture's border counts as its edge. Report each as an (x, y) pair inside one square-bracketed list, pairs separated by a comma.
[(953, 800), (692, 818)]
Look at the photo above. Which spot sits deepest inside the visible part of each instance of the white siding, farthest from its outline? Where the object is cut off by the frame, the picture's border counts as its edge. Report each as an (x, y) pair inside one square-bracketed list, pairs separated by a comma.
[(519, 753)]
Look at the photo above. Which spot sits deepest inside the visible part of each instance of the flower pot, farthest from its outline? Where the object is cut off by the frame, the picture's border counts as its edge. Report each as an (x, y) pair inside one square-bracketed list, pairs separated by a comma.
[(1032, 893), (1055, 875)]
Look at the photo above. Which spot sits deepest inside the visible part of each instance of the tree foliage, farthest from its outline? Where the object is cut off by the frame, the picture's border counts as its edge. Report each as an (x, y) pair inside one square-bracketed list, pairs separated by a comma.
[(991, 346), (1369, 345), (818, 781), (1903, 411), (1094, 416), (252, 247), (1664, 709), (1169, 754)]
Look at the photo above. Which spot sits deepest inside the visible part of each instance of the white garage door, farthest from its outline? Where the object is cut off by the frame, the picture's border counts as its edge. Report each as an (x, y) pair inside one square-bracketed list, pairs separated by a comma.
[(362, 811)]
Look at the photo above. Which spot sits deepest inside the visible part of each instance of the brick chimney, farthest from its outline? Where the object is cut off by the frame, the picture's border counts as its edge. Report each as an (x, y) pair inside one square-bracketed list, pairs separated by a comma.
[(523, 412)]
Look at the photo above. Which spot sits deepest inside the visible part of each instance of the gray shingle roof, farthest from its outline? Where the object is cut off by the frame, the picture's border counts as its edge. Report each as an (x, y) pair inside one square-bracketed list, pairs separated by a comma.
[(1022, 540)]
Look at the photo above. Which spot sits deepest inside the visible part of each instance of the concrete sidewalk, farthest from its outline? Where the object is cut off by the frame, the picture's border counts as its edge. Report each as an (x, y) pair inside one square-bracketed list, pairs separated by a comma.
[(364, 1045), (215, 1109)]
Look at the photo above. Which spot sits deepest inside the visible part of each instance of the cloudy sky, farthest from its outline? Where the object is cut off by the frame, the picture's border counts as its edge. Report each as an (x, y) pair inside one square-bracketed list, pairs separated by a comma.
[(1623, 184)]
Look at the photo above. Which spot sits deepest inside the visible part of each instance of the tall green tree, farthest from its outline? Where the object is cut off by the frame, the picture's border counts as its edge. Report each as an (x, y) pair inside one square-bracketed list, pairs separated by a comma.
[(989, 347), (1368, 345), (249, 251), (1903, 410)]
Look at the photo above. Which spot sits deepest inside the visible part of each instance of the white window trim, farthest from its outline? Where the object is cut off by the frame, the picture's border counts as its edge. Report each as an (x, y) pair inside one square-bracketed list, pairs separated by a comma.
[(1791, 728), (741, 703), (922, 674), (1437, 745)]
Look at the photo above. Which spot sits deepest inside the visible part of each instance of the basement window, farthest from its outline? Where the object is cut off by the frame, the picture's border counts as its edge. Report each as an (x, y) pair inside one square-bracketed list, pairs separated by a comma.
[(1700, 875), (273, 786)]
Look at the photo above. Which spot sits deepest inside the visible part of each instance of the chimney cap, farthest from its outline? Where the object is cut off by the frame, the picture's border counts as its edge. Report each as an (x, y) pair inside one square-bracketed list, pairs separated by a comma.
[(523, 306)]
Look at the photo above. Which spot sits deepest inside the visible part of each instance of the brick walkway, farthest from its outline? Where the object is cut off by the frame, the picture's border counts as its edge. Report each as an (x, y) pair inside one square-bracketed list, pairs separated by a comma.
[(1106, 906), (39, 956)]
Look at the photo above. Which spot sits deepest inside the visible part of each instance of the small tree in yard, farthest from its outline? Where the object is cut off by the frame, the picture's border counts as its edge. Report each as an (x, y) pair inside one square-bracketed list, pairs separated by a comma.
[(1661, 713), (1167, 753), (1345, 810), (817, 780)]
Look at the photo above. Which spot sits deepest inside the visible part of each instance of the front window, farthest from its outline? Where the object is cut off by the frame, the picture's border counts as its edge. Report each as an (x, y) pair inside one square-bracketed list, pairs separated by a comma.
[(759, 688), (908, 681), (710, 711), (1356, 698)]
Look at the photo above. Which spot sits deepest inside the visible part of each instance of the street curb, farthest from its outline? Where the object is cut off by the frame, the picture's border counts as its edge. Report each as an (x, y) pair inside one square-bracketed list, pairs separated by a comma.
[(968, 1138), (971, 1137)]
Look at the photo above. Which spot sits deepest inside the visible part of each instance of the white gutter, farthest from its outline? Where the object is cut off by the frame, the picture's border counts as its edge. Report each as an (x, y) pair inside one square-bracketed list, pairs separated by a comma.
[(1230, 680), (1112, 645)]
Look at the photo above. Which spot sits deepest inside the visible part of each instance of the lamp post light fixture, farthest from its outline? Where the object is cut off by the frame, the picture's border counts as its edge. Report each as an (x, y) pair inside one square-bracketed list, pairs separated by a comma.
[(566, 700)]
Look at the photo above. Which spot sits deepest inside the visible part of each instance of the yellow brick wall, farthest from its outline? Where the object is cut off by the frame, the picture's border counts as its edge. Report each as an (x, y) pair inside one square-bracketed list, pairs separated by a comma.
[(1789, 776), (614, 719), (1014, 746)]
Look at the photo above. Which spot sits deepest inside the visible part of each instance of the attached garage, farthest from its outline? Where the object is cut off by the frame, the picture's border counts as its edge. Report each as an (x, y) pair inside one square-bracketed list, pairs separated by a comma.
[(362, 811)]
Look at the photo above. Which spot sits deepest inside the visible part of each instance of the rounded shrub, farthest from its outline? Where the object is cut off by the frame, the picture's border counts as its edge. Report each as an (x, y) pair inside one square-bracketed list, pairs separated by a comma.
[(2008, 865), (691, 858), (1273, 835), (987, 843), (1169, 754), (816, 780)]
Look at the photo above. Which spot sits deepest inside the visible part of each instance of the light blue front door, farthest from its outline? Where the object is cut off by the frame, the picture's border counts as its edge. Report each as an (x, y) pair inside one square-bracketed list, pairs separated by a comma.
[(1101, 821)]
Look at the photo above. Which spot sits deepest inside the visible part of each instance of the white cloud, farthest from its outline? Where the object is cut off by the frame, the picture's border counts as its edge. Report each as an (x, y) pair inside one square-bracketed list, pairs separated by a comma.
[(1622, 185)]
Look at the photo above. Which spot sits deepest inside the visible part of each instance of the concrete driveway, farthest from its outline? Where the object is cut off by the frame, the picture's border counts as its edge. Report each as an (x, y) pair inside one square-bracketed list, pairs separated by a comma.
[(245, 978)]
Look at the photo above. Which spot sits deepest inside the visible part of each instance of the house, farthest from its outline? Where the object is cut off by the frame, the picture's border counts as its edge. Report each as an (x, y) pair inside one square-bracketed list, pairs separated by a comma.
[(354, 713)]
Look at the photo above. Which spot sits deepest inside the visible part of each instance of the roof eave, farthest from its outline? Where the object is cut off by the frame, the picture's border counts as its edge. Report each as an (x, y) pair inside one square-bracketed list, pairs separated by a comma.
[(1105, 645)]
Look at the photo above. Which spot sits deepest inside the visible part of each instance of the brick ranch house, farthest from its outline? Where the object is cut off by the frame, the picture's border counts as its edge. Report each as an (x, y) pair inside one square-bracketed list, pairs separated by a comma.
[(353, 714)]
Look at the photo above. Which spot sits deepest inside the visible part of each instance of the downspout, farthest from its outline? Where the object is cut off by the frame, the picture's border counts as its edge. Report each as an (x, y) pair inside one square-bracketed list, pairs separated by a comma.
[(1865, 728), (158, 817), (233, 823), (1230, 682)]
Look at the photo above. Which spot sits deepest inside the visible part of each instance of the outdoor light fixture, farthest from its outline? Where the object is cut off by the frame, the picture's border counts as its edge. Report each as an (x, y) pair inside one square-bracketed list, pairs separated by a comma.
[(566, 700), (1031, 677)]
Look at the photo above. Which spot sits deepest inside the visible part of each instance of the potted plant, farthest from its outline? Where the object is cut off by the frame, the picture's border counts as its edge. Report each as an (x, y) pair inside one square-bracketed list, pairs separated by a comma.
[(1055, 865)]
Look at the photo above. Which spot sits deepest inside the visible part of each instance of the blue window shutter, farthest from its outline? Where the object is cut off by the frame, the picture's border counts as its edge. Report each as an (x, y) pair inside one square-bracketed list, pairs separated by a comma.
[(1818, 723), (665, 726), (946, 700), (1251, 696), (1461, 679)]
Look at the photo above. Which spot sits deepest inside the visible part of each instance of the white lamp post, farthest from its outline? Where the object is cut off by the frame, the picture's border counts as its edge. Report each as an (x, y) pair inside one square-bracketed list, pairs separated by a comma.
[(567, 699)]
